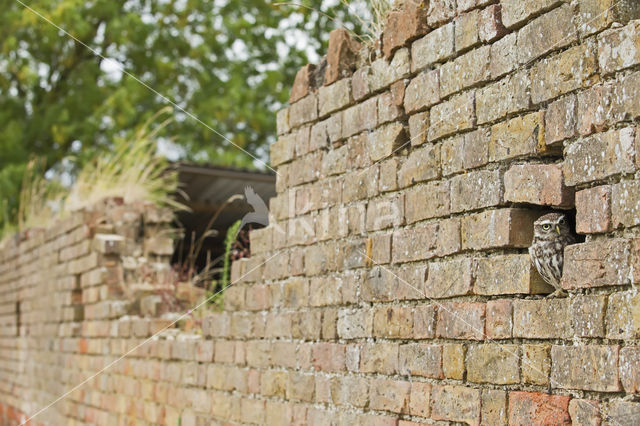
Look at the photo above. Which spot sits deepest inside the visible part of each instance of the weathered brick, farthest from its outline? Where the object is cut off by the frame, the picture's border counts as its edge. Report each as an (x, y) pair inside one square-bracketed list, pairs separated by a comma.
[(536, 364), (379, 357), (560, 120), (390, 395), (623, 316), (300, 387), (385, 212), (494, 407), (490, 25), (424, 318), (584, 412), (385, 140), (436, 46), (302, 83), (541, 184), (630, 368), (504, 55), (360, 184), (381, 249), (425, 242), (419, 401), (476, 69), (593, 210), (388, 107), (388, 175), (461, 321), (296, 292), (519, 137), (507, 96), (441, 11), (448, 279), (427, 201), (515, 12), (453, 361), (588, 314), (591, 367), (303, 111), (353, 324), (538, 408), (499, 322), (619, 48), (450, 155), (282, 121), (393, 322), (476, 149), (543, 34), (329, 357), (421, 165), (360, 117), (541, 319), (599, 156), (360, 82), (569, 70), (596, 106), (467, 30), (419, 127), (623, 413), (283, 150), (423, 91), (404, 25), (384, 73), (341, 56), (456, 403), (418, 359), (498, 228), (596, 264), (453, 115), (497, 364), (476, 190), (625, 203)]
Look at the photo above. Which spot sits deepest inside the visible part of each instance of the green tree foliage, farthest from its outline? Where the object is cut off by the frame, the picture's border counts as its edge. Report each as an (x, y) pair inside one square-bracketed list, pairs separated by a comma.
[(229, 62)]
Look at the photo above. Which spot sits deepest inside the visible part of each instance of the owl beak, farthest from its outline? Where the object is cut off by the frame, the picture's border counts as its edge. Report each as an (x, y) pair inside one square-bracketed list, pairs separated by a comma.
[(558, 230)]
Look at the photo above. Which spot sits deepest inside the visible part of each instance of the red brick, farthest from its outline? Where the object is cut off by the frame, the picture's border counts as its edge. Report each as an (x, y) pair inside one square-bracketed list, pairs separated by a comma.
[(341, 56), (302, 83), (538, 408), (560, 120), (461, 321), (593, 210), (329, 357), (541, 184), (404, 25)]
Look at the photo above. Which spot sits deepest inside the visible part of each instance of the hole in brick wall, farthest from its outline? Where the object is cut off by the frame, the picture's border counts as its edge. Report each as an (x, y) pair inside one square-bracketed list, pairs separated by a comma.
[(215, 197)]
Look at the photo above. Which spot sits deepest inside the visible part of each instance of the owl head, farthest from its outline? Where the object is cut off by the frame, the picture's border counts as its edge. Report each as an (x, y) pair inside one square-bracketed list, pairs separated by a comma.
[(551, 226)]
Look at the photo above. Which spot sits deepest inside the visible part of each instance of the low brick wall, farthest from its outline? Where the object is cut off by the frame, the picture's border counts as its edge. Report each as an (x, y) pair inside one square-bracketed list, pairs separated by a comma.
[(393, 284)]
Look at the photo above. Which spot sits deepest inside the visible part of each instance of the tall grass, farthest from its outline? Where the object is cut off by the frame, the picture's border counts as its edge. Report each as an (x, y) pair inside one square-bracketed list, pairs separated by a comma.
[(131, 170)]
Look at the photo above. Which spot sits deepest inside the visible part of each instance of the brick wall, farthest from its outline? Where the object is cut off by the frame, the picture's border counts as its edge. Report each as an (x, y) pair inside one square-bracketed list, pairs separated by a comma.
[(393, 285)]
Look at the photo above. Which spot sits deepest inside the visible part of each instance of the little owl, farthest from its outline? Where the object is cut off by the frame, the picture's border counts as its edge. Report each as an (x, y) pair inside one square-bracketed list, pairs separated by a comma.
[(551, 234)]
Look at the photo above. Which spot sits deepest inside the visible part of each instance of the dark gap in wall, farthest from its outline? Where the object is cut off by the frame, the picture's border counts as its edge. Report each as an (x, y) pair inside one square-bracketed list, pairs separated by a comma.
[(18, 319)]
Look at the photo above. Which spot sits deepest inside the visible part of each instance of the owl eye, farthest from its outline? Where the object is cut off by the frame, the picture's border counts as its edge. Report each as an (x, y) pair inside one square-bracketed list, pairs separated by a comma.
[(546, 227), (561, 221)]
